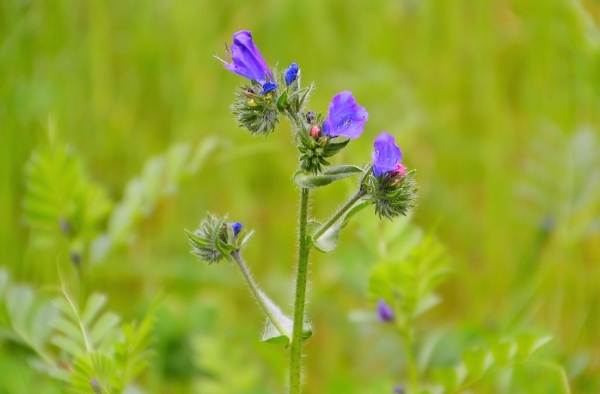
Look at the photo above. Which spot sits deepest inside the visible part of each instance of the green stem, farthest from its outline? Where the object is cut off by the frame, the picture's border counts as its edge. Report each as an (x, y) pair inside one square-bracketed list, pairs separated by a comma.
[(298, 127), (340, 212), (256, 292), (411, 363), (300, 300)]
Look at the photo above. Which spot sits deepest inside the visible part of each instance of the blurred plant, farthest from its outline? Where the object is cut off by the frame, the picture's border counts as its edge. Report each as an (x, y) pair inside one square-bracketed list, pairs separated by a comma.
[(401, 286), (385, 183), (85, 348), (63, 204)]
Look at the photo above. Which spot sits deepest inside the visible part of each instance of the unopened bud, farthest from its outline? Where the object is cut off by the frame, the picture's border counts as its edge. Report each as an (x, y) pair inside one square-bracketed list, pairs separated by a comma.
[(315, 131)]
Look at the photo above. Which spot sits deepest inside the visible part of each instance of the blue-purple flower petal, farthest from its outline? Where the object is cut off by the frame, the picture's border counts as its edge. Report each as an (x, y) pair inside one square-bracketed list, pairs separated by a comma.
[(268, 87), (346, 118), (387, 155), (246, 59), (291, 74)]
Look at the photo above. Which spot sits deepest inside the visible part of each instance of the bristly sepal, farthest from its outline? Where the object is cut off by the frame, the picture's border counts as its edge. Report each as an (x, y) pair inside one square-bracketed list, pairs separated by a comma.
[(215, 239), (393, 194), (315, 147), (255, 110)]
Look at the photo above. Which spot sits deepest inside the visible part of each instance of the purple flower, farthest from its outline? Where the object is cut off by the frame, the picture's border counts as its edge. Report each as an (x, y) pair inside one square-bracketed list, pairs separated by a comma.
[(387, 156), (346, 118), (246, 59), (291, 74), (385, 312), (237, 227)]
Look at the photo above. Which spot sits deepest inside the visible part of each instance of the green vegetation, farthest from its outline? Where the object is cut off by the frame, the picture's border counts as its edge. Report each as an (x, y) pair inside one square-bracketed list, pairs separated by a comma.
[(116, 135)]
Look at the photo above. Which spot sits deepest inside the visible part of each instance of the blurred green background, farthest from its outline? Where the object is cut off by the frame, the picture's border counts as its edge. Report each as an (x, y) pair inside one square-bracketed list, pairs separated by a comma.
[(495, 103)]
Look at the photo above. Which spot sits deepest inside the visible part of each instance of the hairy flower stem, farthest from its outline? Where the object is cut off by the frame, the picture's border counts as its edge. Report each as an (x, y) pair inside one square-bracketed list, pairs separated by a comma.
[(256, 292), (300, 300), (340, 212)]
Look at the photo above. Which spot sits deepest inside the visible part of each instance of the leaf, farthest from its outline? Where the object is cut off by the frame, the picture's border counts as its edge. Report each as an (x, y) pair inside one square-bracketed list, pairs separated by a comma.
[(328, 240), (329, 175), (477, 361), (527, 344), (93, 307), (60, 199), (409, 283), (272, 334), (280, 328)]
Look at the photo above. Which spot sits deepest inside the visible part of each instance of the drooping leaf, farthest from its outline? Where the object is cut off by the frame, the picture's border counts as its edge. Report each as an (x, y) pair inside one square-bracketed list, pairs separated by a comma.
[(279, 329), (329, 175)]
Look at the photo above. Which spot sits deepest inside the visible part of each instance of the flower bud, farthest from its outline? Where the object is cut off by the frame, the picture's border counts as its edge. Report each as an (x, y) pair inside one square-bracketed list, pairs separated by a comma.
[(310, 117), (392, 188), (291, 74), (384, 311), (315, 131), (237, 227)]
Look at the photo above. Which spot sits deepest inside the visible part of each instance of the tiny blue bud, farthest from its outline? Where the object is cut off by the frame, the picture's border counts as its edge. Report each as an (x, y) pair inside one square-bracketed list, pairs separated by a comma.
[(399, 389), (268, 87), (385, 312), (310, 116), (291, 73), (237, 227), (76, 258)]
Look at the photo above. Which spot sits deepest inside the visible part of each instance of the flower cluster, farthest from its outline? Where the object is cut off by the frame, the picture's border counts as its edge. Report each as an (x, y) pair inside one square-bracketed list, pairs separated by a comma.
[(259, 102), (216, 239), (346, 119)]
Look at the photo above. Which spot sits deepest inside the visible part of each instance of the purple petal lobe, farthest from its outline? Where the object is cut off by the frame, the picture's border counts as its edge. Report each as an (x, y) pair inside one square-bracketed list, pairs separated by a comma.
[(387, 155), (345, 118), (268, 87), (246, 59)]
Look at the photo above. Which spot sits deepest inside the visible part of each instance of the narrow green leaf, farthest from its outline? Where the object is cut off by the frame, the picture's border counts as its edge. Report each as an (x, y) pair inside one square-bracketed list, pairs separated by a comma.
[(67, 345), (527, 344), (328, 176), (103, 326), (477, 362), (68, 328), (19, 302), (92, 308)]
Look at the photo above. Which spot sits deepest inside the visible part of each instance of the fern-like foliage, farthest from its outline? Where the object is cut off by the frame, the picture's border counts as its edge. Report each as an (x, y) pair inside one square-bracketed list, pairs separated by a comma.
[(83, 347), (160, 178), (408, 283), (60, 198), (561, 181), (26, 318), (62, 203), (502, 356)]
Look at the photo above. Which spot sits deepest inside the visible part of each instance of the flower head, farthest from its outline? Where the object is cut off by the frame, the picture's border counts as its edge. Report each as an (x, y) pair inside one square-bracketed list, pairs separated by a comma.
[(385, 312), (387, 156), (246, 59), (346, 118), (291, 74)]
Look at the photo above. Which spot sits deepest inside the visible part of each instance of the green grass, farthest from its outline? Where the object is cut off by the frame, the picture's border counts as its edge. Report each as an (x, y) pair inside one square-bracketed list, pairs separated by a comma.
[(489, 101)]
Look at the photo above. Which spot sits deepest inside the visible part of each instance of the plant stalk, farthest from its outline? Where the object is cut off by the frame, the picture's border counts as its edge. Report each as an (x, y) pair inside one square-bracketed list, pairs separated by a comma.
[(411, 363), (256, 292), (340, 212), (300, 299)]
